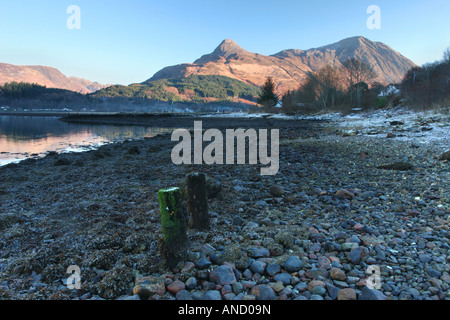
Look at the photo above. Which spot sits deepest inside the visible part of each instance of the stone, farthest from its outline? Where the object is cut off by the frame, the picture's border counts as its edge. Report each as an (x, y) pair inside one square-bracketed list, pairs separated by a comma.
[(332, 291), (399, 166), (223, 275), (337, 274), (371, 294), (259, 252), (346, 294), (445, 156), (176, 286), (276, 191), (344, 194), (315, 283), (237, 287), (434, 273), (191, 283), (212, 295), (285, 278), (278, 286), (258, 267), (183, 295), (273, 269), (149, 287), (263, 292), (356, 254), (293, 264), (202, 263), (319, 290), (346, 246)]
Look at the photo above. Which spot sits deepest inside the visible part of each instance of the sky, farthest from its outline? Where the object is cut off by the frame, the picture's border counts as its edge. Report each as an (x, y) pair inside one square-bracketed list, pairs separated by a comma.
[(124, 42)]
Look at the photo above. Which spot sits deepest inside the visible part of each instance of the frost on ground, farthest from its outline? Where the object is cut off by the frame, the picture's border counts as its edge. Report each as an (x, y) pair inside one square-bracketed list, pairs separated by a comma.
[(396, 123)]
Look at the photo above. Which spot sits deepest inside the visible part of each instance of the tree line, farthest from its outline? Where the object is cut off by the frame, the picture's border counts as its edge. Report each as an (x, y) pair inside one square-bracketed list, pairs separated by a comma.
[(354, 85)]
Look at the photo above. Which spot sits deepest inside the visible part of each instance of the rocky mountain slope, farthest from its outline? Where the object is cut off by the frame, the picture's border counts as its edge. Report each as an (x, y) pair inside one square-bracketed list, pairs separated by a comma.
[(289, 68), (46, 76)]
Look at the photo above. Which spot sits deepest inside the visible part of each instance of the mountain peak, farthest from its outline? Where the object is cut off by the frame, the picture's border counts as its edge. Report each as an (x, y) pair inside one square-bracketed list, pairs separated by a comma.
[(227, 47)]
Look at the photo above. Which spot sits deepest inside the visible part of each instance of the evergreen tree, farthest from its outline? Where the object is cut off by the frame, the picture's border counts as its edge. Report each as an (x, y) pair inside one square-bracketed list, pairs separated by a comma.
[(268, 98)]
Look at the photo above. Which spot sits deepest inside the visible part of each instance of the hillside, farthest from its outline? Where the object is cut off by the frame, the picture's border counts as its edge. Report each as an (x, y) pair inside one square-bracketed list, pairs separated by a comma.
[(204, 88), (289, 68), (46, 76)]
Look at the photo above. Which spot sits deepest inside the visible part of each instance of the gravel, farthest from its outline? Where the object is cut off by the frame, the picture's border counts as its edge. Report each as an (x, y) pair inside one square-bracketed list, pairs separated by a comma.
[(327, 223)]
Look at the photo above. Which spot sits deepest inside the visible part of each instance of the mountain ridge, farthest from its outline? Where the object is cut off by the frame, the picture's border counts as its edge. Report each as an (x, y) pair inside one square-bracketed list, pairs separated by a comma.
[(290, 68), (49, 77)]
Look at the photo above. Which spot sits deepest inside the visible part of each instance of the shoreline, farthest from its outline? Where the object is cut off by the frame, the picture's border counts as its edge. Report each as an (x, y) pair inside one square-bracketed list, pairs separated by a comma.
[(321, 221)]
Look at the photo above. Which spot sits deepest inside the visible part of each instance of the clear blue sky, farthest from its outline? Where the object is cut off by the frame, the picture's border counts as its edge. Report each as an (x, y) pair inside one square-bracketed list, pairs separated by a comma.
[(128, 41)]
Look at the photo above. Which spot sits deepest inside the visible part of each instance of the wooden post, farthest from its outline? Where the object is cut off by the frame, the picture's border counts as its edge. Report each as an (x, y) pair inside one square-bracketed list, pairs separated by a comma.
[(198, 200), (174, 225)]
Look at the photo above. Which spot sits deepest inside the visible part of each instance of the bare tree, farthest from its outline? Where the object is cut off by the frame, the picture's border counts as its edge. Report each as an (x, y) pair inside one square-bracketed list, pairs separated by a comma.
[(328, 82), (359, 75)]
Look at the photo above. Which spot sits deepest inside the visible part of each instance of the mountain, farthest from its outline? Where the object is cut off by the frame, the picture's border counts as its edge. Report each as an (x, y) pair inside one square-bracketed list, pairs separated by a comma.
[(289, 68), (46, 76)]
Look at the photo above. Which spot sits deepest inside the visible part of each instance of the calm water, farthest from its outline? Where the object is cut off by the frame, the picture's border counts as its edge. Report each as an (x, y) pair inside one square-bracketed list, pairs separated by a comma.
[(22, 137)]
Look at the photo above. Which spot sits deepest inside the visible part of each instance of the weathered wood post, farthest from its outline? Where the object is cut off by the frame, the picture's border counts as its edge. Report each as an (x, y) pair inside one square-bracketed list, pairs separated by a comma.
[(174, 224), (198, 200)]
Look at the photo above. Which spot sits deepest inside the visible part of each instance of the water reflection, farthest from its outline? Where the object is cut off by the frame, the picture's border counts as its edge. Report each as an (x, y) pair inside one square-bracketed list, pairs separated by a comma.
[(22, 137)]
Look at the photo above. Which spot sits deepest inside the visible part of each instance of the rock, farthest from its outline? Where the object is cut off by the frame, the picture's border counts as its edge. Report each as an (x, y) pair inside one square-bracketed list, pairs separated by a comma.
[(134, 150), (217, 257), (183, 295), (62, 162), (445, 156), (259, 252), (315, 283), (337, 274), (346, 294), (332, 291), (400, 166), (371, 294), (390, 135), (149, 287), (346, 246), (344, 194), (258, 267), (263, 292), (223, 275), (276, 191), (293, 264), (237, 287), (278, 286), (176, 286), (273, 269), (191, 283), (202, 263), (285, 278), (213, 187), (319, 290), (356, 254), (212, 295), (434, 273), (425, 258), (397, 123)]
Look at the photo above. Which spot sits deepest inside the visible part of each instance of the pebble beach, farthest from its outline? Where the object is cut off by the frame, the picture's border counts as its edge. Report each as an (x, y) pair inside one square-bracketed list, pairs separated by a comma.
[(350, 196)]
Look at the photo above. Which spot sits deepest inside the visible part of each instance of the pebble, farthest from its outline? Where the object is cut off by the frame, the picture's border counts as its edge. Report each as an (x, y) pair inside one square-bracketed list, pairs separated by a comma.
[(293, 264), (223, 275)]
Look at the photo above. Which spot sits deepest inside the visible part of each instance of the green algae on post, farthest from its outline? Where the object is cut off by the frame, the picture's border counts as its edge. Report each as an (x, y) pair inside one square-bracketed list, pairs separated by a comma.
[(173, 224)]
